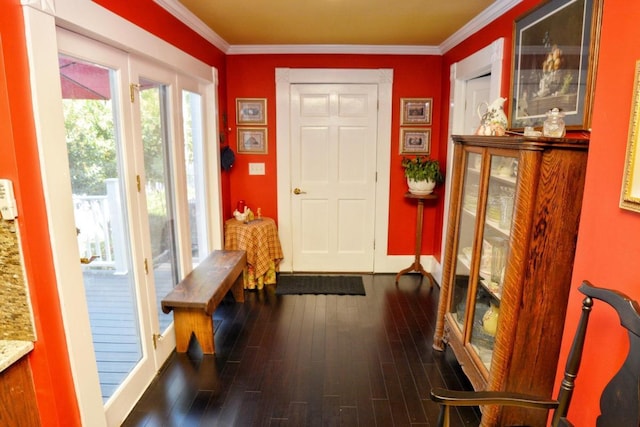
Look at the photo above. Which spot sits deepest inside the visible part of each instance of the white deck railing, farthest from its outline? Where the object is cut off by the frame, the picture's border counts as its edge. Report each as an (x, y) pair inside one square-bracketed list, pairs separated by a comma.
[(100, 229)]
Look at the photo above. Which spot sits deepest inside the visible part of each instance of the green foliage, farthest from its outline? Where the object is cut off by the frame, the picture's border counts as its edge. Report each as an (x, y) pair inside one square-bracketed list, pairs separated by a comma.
[(90, 144), (153, 135), (422, 169)]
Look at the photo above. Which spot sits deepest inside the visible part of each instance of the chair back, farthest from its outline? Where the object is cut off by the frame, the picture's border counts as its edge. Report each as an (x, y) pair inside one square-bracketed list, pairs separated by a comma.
[(620, 400)]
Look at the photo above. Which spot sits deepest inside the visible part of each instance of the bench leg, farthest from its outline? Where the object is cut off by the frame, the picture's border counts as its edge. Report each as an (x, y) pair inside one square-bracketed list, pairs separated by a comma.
[(188, 321), (238, 289)]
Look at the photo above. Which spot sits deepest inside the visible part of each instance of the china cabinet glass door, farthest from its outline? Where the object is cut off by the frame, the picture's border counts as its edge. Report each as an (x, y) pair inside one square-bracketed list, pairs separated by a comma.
[(466, 231), (493, 257), (481, 262)]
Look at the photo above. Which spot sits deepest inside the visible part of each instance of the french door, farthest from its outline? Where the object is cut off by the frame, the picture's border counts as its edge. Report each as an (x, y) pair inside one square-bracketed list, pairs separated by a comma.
[(136, 163)]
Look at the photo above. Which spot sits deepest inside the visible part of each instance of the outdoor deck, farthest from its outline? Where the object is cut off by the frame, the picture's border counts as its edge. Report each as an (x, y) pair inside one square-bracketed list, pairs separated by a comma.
[(114, 325)]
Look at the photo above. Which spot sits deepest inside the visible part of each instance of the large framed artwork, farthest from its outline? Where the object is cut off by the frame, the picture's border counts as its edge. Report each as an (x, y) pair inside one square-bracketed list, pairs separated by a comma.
[(555, 56), (630, 197)]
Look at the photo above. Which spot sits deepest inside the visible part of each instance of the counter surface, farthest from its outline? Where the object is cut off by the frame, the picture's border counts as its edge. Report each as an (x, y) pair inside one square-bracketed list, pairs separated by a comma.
[(11, 351)]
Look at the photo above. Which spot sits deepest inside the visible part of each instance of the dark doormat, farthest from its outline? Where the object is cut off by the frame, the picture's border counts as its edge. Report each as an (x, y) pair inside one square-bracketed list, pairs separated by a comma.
[(337, 285)]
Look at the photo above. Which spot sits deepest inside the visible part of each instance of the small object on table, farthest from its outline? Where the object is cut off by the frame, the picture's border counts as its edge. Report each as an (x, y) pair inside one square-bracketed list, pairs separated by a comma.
[(416, 266), (259, 238)]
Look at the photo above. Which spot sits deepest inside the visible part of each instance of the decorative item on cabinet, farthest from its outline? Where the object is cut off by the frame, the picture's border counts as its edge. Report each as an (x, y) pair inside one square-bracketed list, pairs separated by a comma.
[(510, 249), (493, 121), (553, 126)]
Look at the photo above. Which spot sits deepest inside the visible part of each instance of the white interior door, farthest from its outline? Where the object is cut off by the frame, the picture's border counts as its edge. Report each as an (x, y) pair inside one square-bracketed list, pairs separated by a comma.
[(333, 172), (477, 92)]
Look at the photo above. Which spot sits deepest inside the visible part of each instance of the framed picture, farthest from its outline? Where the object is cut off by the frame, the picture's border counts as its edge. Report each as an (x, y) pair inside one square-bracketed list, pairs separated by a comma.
[(415, 111), (252, 140), (630, 197), (251, 111), (555, 54), (415, 141)]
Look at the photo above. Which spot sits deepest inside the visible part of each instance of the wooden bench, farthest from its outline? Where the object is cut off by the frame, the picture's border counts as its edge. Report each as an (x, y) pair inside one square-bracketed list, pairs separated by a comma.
[(195, 298)]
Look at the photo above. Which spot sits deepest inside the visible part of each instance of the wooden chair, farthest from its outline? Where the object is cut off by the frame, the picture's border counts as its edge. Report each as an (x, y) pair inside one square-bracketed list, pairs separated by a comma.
[(619, 402)]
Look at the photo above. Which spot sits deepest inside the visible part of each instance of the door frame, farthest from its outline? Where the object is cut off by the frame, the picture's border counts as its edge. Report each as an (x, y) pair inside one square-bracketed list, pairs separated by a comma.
[(91, 20), (488, 60), (285, 77)]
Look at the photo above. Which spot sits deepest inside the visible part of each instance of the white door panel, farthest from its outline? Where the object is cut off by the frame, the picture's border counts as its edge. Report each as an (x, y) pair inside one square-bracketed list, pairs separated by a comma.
[(333, 158), (477, 93)]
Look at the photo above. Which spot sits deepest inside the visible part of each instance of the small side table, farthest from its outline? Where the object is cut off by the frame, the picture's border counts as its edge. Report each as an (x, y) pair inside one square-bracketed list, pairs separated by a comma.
[(416, 266)]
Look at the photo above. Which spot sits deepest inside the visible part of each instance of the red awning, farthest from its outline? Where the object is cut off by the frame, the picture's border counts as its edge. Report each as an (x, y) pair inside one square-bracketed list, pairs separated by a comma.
[(81, 80)]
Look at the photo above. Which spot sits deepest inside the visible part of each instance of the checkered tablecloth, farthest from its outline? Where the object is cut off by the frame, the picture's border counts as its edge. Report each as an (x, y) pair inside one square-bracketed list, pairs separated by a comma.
[(259, 239)]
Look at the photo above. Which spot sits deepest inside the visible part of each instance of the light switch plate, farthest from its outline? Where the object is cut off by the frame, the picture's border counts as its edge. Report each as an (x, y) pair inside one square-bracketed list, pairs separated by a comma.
[(256, 168)]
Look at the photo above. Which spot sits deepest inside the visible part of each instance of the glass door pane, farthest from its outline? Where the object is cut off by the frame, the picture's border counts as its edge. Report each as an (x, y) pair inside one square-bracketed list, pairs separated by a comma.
[(495, 252), (466, 231), (100, 212), (159, 190), (192, 116)]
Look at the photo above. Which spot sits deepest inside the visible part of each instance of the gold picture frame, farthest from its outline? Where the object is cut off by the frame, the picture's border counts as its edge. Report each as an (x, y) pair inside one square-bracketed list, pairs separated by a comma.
[(415, 111), (630, 197), (252, 140), (251, 111), (415, 141), (555, 53)]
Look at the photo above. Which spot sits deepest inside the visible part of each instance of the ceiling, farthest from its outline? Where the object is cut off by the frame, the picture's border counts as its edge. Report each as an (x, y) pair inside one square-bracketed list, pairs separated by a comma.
[(237, 23)]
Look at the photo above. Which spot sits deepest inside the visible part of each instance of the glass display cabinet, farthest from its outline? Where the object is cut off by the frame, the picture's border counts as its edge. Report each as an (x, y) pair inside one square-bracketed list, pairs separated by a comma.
[(510, 244)]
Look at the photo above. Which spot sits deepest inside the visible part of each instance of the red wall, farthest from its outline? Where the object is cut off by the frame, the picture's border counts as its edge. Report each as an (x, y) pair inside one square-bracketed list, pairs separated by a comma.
[(609, 237), (253, 76), (608, 243), (49, 362)]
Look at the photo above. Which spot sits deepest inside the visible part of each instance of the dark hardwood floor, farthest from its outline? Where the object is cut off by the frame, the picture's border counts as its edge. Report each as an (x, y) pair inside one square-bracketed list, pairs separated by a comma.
[(312, 360)]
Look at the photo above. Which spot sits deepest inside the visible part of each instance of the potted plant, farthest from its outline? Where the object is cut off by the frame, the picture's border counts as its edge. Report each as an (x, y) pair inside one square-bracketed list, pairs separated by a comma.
[(422, 174)]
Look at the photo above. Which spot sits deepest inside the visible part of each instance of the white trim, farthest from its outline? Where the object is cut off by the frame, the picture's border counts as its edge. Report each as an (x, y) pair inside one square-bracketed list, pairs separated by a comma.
[(384, 79), (333, 49), (212, 173), (491, 13), (45, 87), (184, 15), (93, 21), (486, 60)]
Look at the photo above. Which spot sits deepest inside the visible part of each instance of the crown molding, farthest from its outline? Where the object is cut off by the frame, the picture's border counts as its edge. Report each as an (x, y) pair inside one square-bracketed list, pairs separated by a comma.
[(497, 9), (184, 15), (179, 11), (333, 49)]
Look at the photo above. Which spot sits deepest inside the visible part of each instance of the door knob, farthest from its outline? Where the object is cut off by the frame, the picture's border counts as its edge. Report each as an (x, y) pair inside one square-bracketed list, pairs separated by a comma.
[(298, 191)]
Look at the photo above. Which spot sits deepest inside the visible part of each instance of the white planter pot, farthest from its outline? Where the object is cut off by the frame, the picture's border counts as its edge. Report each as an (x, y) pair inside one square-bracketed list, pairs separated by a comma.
[(420, 188)]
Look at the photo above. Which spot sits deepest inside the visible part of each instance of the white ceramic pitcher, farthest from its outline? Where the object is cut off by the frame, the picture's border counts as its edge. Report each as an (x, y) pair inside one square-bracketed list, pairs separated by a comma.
[(493, 120)]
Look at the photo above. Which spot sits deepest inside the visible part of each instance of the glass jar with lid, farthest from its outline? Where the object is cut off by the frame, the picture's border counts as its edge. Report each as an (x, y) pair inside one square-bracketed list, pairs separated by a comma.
[(554, 124)]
